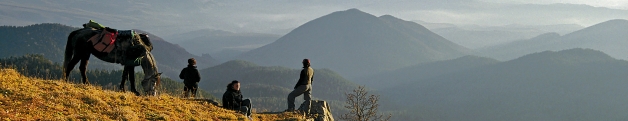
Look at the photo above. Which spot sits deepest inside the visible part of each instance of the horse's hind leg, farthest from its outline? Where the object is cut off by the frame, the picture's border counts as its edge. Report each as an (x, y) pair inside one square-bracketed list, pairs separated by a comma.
[(70, 66), (125, 76)]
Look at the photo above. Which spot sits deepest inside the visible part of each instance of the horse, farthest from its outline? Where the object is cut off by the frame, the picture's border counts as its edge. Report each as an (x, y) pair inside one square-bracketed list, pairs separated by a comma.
[(130, 50)]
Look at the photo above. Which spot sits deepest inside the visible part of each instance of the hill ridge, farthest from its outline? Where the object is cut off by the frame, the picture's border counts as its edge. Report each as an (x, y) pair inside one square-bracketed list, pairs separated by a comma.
[(24, 98), (570, 56), (539, 86), (608, 37)]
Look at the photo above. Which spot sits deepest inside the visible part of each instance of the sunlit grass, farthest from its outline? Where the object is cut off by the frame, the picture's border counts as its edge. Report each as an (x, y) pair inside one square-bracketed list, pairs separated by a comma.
[(25, 98)]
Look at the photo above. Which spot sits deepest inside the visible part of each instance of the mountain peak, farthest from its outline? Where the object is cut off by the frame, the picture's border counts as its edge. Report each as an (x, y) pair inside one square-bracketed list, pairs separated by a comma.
[(570, 56), (335, 39), (355, 10), (350, 13), (614, 25)]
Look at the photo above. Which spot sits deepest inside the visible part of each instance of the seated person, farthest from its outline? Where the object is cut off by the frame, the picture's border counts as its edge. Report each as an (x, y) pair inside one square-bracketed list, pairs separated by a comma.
[(232, 99)]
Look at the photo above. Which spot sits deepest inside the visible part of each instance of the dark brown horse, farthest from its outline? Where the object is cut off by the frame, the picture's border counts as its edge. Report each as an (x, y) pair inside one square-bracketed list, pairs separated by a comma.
[(130, 50)]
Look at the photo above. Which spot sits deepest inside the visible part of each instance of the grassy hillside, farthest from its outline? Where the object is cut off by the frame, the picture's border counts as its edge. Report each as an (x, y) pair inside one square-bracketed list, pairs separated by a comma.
[(25, 98), (40, 67)]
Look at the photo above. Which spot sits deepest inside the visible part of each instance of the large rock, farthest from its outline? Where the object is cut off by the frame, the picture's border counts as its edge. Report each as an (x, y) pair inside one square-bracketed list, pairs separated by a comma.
[(317, 109)]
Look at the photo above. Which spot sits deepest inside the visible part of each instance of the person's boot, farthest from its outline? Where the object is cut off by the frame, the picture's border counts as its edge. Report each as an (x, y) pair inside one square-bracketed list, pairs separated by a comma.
[(290, 110), (187, 94), (194, 93)]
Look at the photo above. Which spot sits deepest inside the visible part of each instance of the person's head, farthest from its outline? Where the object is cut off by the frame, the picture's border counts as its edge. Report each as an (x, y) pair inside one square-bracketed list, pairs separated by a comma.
[(191, 61), (306, 62), (235, 85)]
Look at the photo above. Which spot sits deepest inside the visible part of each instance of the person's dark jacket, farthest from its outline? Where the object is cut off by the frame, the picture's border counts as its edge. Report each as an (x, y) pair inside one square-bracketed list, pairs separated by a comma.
[(190, 75), (232, 99), (306, 77)]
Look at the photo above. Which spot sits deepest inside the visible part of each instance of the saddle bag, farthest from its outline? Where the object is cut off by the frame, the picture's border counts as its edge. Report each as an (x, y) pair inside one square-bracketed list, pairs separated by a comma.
[(103, 42)]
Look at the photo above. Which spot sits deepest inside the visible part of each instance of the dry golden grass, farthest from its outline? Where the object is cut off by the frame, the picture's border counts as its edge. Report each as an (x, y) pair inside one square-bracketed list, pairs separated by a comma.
[(25, 98)]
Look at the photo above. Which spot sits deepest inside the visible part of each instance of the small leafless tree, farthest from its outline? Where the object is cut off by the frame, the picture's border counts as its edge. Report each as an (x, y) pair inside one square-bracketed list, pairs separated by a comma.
[(363, 106)]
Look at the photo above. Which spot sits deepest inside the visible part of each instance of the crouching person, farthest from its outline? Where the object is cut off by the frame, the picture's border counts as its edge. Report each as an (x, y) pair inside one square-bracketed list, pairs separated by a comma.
[(232, 99)]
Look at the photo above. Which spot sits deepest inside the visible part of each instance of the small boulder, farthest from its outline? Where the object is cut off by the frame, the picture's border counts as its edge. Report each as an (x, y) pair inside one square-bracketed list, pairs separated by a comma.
[(317, 109)]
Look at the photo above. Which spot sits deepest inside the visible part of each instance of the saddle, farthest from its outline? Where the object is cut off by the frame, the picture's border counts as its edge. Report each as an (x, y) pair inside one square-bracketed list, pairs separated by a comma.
[(104, 41)]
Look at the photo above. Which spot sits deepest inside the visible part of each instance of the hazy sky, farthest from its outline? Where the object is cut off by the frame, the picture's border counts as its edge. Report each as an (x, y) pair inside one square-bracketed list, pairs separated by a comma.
[(166, 17), (616, 4), (461, 12)]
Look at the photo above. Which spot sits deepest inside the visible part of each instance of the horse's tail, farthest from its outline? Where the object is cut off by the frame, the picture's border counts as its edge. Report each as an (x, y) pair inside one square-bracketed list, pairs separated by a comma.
[(69, 51)]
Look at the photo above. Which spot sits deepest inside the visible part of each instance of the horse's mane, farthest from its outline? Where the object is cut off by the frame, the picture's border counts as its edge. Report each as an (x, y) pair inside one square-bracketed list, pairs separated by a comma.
[(146, 40)]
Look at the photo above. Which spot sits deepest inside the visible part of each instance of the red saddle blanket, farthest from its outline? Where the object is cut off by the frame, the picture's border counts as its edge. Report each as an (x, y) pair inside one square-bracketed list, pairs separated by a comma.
[(103, 42)]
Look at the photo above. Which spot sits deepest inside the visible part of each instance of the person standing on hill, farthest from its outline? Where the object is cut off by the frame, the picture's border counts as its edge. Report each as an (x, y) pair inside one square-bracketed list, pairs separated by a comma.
[(304, 86), (232, 99), (190, 77)]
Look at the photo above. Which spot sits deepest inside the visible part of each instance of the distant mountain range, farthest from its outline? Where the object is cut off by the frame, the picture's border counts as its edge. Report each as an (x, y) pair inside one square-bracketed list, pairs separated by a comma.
[(222, 45), (422, 71), (172, 17), (609, 37), (568, 85), (355, 43), (49, 40), (485, 36)]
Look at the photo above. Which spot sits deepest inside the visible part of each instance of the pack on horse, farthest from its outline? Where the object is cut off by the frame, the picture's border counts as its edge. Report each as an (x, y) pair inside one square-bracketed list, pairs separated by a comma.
[(124, 47)]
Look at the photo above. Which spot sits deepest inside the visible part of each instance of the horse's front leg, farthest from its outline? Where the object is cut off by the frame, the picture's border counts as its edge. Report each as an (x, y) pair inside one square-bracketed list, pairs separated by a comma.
[(130, 72)]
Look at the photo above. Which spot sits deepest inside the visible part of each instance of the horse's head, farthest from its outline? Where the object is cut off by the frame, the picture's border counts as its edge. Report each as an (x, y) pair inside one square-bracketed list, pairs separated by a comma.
[(150, 83)]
